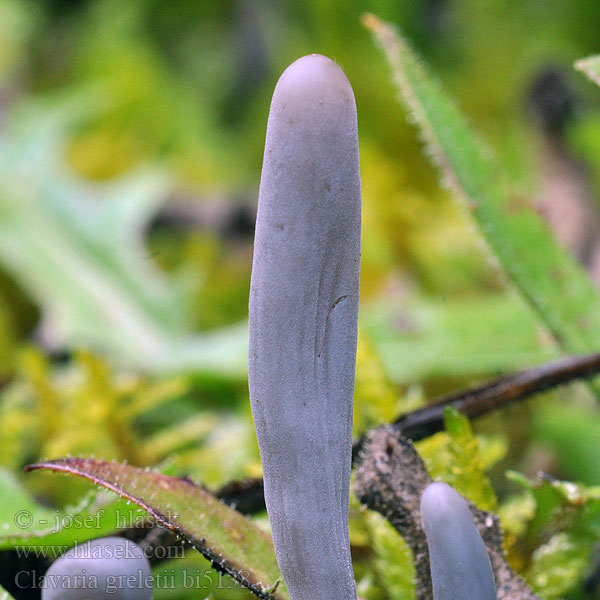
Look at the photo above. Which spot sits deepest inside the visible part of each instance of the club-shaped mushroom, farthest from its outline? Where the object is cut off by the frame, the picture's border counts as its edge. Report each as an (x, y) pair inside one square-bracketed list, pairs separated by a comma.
[(111, 567), (460, 565), (303, 324)]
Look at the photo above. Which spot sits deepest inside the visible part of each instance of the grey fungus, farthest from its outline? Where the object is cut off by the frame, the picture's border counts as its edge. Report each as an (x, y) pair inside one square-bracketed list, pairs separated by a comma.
[(111, 567), (303, 324), (460, 565)]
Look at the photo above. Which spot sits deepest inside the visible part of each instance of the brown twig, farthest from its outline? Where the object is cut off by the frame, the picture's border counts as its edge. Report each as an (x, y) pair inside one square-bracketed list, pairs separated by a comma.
[(505, 390)]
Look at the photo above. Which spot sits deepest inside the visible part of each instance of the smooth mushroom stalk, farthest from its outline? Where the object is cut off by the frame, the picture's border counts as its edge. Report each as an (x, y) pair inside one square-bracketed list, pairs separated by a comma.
[(460, 565), (303, 324), (111, 567)]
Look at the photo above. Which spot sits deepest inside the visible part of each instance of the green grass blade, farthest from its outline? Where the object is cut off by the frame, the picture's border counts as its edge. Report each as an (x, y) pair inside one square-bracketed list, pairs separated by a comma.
[(548, 278), (421, 339)]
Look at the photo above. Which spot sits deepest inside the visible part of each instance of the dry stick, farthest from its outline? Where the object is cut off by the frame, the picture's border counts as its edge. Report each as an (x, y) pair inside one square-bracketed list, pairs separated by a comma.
[(500, 392), (391, 479), (247, 496)]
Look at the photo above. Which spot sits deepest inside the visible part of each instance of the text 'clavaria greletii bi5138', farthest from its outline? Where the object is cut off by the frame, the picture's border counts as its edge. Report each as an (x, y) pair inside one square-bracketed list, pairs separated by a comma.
[(111, 567)]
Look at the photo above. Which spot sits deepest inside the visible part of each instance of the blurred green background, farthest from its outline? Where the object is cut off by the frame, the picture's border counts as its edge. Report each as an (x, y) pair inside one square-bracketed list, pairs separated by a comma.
[(131, 139)]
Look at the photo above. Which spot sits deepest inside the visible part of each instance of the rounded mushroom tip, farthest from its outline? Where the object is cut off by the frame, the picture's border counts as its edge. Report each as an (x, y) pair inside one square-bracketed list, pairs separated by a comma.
[(439, 499), (105, 567), (459, 560), (314, 75)]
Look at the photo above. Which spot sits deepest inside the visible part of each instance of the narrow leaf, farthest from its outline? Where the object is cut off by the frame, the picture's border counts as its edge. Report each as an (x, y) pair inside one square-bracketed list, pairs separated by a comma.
[(548, 278), (231, 542)]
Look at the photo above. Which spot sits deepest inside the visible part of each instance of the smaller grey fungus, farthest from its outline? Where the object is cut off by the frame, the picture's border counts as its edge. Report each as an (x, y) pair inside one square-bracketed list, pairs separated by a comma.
[(460, 564), (111, 567)]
